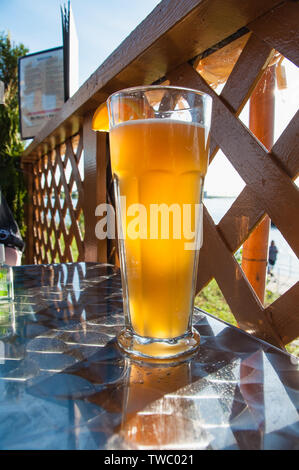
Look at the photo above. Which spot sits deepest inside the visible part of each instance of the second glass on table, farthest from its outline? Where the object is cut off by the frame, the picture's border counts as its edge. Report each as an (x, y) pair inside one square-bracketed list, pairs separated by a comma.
[(159, 142)]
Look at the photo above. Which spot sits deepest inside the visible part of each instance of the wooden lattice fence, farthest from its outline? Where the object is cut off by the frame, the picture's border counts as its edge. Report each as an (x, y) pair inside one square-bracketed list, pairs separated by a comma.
[(168, 45)]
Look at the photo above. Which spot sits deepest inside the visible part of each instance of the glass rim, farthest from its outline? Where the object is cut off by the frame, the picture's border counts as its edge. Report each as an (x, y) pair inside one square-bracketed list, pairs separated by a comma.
[(161, 87)]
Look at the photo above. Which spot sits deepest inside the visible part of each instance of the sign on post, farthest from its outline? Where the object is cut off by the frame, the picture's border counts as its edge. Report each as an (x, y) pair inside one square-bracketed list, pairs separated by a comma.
[(47, 79), (41, 89)]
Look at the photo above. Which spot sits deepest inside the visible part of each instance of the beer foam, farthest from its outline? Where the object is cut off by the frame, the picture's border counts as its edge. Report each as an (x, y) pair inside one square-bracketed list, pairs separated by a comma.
[(164, 121)]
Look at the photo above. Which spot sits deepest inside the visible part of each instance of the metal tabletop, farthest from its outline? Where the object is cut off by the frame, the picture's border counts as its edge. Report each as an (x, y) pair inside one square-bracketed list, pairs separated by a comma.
[(64, 384)]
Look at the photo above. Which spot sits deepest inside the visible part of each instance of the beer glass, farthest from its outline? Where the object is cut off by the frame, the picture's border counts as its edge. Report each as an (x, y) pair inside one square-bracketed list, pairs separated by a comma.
[(159, 144)]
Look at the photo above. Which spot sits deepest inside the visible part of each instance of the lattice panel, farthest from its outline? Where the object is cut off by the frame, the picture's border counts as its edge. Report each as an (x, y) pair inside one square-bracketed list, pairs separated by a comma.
[(269, 187), (58, 220)]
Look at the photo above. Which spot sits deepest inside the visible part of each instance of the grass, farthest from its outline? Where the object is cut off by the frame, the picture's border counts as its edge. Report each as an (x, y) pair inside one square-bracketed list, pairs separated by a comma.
[(293, 347), (212, 301)]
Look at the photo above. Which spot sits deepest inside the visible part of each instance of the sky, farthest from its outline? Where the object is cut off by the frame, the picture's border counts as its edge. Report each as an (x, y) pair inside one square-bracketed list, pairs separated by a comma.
[(101, 26)]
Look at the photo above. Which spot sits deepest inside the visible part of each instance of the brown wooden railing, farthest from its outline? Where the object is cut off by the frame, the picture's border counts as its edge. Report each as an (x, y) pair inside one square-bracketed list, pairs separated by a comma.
[(169, 45)]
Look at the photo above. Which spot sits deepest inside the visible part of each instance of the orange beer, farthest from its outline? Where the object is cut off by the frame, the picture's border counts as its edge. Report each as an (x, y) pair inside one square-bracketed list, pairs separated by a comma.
[(159, 164)]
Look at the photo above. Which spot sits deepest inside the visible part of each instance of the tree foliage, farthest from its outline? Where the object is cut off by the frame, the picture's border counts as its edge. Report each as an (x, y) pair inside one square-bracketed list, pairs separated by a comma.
[(11, 146)]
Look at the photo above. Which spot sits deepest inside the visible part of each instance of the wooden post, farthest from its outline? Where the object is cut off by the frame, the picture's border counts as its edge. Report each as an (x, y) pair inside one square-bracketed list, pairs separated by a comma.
[(29, 248), (94, 186), (261, 123)]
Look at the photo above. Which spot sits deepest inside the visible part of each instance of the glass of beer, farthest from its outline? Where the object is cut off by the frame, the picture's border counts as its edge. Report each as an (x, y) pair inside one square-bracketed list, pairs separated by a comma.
[(159, 145)]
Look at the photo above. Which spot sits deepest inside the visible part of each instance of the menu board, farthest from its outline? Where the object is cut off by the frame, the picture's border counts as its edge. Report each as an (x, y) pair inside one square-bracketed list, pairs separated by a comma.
[(41, 89)]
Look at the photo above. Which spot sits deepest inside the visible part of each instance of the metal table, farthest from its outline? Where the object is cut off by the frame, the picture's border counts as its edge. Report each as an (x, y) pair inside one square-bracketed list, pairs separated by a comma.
[(64, 384)]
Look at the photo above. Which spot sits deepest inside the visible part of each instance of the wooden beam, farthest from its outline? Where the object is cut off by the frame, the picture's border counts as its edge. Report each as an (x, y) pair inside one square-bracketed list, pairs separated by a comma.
[(261, 124), (29, 214), (279, 29), (94, 187)]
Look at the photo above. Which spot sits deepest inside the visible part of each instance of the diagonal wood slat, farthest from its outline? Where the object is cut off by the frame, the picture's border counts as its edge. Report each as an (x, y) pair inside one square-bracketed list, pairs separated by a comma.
[(285, 150), (75, 170), (243, 79), (279, 28)]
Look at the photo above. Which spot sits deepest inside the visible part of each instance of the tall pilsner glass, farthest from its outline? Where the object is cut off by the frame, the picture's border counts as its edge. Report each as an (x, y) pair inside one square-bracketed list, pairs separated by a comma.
[(159, 142)]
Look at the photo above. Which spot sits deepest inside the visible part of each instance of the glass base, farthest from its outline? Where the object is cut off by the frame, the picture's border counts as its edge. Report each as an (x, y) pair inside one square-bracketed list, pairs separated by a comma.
[(155, 348)]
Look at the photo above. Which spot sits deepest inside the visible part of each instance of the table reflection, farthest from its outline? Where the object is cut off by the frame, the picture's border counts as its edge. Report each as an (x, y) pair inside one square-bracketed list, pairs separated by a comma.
[(147, 421)]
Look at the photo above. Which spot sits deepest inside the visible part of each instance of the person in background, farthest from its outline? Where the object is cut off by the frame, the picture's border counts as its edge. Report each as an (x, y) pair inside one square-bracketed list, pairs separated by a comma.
[(10, 234), (272, 257)]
